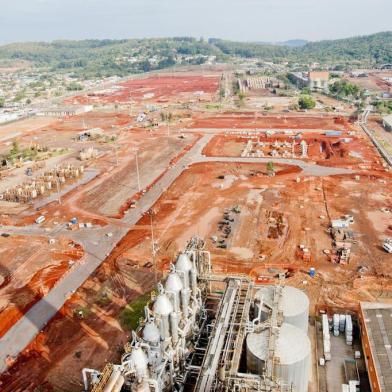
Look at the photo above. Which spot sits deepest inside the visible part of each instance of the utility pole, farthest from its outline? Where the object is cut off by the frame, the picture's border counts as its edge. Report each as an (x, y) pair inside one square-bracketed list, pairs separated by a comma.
[(137, 171), (58, 190), (115, 153), (151, 213)]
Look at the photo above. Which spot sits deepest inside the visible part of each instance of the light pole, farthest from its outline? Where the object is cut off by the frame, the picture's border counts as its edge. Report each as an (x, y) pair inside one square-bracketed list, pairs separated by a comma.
[(115, 153), (151, 213), (58, 190), (137, 170)]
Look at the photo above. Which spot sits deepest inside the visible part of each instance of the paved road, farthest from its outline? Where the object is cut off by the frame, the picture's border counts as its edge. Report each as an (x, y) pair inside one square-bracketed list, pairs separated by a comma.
[(97, 245), (384, 153)]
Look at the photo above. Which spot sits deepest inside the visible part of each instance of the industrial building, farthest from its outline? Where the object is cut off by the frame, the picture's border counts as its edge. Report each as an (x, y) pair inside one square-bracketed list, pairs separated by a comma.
[(65, 111), (205, 332), (315, 81), (376, 332), (318, 81)]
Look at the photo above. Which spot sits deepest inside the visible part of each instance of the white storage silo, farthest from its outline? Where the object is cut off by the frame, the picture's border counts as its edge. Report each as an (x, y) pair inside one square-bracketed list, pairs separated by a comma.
[(151, 333), (173, 287), (162, 308), (184, 267), (294, 304), (293, 350)]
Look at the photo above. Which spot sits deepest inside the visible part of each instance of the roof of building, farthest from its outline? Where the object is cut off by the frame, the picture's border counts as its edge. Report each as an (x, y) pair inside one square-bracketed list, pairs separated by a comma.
[(388, 120), (378, 321), (318, 75)]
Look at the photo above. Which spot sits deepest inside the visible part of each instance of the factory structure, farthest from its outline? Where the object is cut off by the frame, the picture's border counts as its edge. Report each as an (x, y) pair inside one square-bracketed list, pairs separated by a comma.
[(376, 333), (315, 81), (206, 332), (49, 181), (65, 111)]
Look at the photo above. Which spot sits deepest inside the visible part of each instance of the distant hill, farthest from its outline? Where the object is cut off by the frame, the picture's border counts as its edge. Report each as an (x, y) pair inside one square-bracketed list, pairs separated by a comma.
[(368, 49), (294, 42), (291, 43), (88, 58)]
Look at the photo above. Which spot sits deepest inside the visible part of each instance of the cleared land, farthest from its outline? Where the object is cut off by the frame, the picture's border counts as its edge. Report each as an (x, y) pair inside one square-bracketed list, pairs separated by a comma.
[(29, 268), (271, 217), (253, 120), (157, 88)]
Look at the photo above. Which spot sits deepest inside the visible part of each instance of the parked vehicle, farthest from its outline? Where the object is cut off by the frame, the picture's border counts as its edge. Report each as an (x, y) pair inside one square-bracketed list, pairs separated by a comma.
[(40, 219), (387, 247)]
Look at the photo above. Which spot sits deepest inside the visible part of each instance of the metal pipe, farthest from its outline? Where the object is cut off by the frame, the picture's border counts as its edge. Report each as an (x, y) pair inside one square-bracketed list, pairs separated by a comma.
[(112, 381), (120, 382), (84, 374), (174, 327)]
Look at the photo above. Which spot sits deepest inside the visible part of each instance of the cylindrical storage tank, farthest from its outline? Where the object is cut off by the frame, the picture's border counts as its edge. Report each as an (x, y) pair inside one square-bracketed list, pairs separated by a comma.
[(162, 308), (174, 326), (349, 324), (336, 320), (174, 285), (120, 382), (294, 304), (194, 281), (112, 381), (342, 322), (184, 267), (293, 350), (140, 362), (151, 333), (185, 294), (141, 387)]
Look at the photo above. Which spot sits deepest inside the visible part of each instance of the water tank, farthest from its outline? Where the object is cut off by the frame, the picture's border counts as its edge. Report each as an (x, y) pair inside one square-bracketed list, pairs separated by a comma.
[(293, 349), (174, 285), (184, 267), (162, 305), (140, 362), (162, 308), (294, 304), (151, 333)]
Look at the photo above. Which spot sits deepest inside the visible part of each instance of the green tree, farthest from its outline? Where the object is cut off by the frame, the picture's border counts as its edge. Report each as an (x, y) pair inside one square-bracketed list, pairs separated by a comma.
[(2, 102), (73, 86), (343, 88), (270, 169), (19, 96), (15, 148), (306, 102)]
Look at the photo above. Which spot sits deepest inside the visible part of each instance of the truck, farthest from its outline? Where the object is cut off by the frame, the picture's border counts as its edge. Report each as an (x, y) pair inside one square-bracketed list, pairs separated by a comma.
[(387, 246)]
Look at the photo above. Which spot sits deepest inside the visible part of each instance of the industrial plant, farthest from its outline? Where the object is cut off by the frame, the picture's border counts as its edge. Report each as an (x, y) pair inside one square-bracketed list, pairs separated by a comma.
[(206, 332)]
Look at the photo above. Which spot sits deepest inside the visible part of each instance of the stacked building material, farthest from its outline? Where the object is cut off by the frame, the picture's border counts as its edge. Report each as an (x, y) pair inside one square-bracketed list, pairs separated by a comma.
[(336, 323), (349, 330), (326, 337)]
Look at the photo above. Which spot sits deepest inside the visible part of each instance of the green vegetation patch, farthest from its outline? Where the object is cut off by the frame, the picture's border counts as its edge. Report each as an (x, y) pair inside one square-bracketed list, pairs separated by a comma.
[(130, 315), (383, 107), (306, 102), (82, 312)]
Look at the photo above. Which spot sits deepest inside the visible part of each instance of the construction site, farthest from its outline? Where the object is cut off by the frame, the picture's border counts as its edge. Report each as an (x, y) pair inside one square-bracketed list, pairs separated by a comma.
[(175, 247)]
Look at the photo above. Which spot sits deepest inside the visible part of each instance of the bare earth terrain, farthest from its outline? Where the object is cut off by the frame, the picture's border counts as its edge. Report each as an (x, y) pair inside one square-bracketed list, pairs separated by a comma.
[(274, 216)]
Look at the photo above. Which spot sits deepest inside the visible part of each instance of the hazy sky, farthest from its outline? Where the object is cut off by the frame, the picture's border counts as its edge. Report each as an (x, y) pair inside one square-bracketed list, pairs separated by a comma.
[(255, 20)]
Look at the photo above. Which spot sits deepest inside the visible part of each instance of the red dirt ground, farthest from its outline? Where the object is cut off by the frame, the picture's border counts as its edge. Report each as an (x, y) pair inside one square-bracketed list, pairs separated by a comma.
[(163, 87), (253, 120), (329, 151), (32, 288)]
